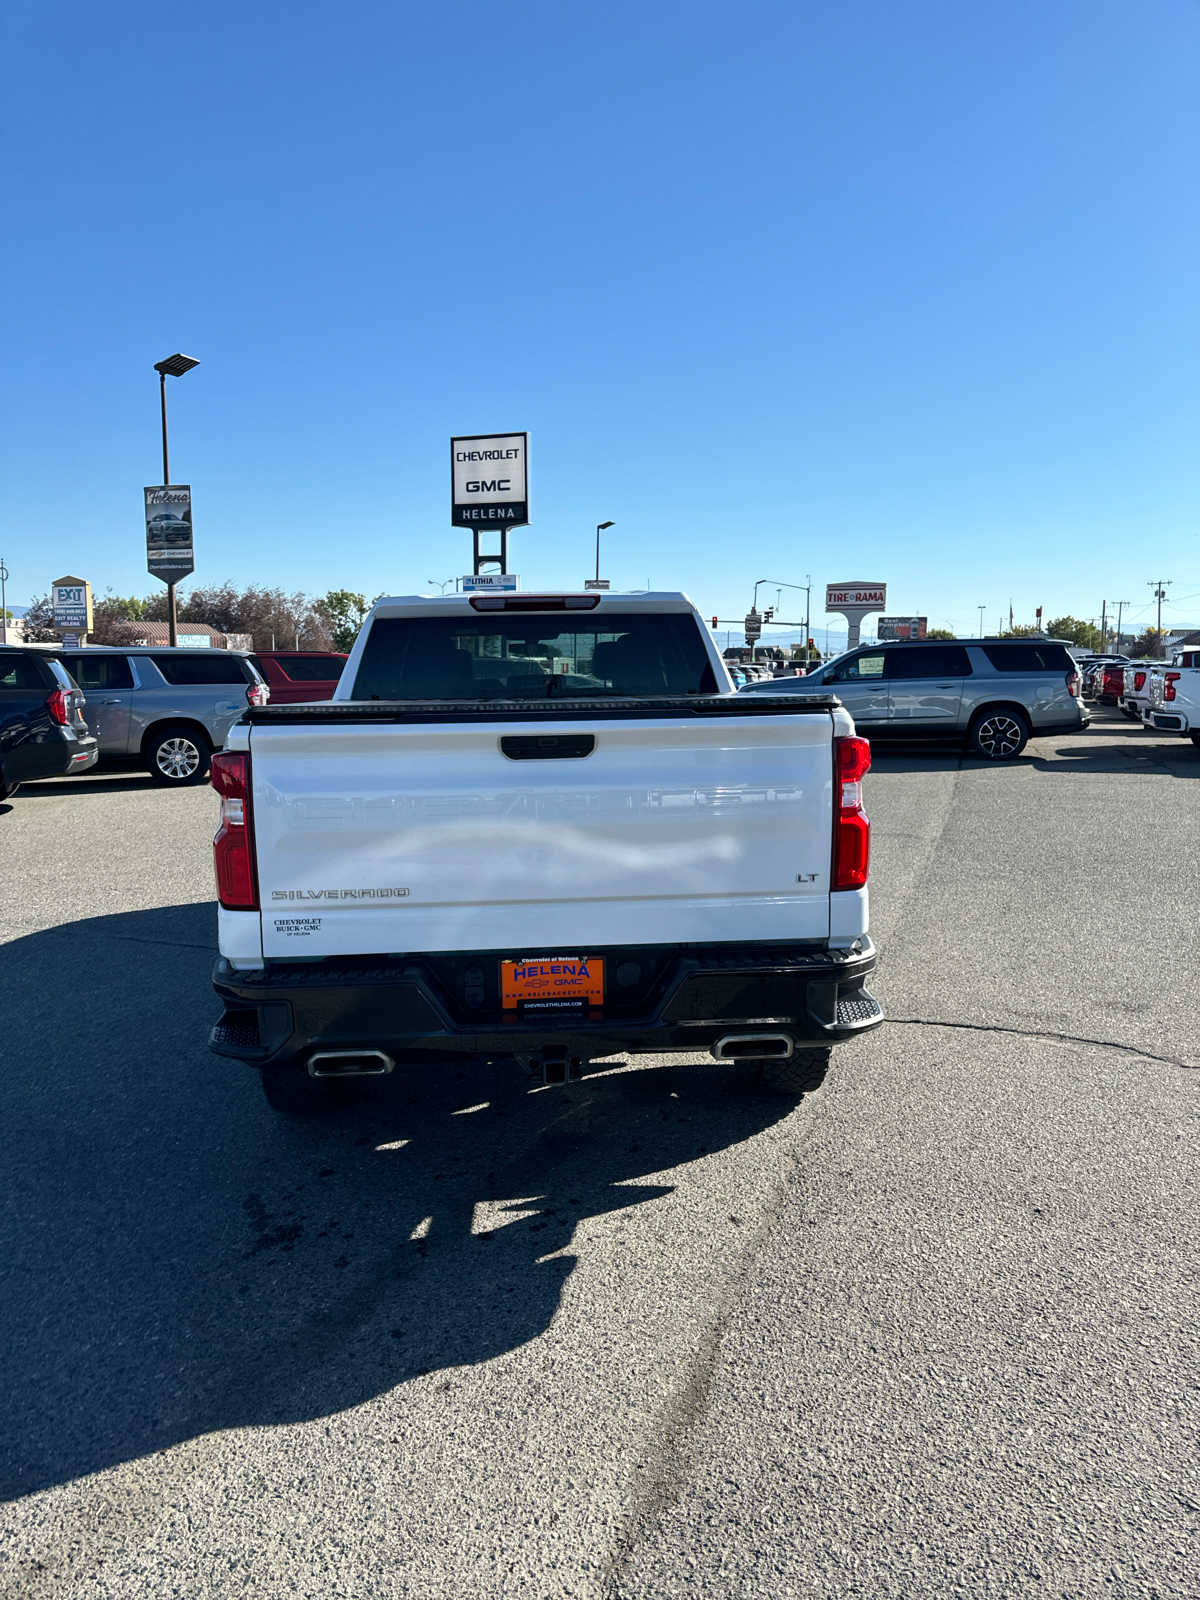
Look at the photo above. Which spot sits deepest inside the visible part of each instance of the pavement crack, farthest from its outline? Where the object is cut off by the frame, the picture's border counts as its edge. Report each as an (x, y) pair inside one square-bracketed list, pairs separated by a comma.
[(1046, 1033), (673, 1443)]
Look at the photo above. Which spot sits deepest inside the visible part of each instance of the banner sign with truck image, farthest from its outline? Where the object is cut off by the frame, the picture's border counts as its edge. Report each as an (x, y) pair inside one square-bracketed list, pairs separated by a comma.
[(169, 549)]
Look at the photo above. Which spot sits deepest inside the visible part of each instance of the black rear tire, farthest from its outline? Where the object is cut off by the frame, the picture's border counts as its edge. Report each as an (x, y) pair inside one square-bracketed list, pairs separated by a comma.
[(178, 756), (289, 1090), (999, 734), (801, 1073)]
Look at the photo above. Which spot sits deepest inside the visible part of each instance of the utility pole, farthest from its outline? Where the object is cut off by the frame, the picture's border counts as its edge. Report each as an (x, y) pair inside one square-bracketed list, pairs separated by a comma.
[(3, 602), (1160, 594), (1104, 627), (1120, 605)]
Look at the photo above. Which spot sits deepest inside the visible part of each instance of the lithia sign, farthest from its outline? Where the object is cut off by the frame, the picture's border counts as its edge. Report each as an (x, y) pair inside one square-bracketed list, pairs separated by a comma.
[(489, 481)]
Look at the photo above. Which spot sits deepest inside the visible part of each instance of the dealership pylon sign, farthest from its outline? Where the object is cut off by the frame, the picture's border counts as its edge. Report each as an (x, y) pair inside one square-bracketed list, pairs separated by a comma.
[(489, 488)]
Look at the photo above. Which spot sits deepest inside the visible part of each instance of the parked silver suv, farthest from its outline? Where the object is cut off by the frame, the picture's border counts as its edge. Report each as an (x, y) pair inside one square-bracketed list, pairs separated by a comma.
[(992, 694), (167, 710)]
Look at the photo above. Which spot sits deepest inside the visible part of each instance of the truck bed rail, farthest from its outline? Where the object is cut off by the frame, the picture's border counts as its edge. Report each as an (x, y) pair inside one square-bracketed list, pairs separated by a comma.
[(581, 708)]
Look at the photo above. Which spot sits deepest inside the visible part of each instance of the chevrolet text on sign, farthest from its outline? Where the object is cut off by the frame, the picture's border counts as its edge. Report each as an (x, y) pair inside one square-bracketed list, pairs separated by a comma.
[(489, 480)]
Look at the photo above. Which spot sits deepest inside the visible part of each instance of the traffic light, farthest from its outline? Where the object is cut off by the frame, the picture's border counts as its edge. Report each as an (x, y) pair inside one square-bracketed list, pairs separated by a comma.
[(812, 644), (715, 621)]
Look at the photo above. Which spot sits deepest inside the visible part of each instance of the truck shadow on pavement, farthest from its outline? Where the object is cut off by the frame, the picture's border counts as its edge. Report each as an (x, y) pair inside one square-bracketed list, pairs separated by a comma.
[(178, 1259)]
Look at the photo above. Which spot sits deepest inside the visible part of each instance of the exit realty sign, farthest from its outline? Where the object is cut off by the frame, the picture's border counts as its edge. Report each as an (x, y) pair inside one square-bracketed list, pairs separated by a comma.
[(489, 480)]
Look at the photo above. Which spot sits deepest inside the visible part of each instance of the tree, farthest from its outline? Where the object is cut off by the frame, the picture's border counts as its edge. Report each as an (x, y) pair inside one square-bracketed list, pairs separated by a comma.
[(342, 612), (110, 610), (1085, 634), (1148, 644), (274, 620), (940, 633), (39, 622)]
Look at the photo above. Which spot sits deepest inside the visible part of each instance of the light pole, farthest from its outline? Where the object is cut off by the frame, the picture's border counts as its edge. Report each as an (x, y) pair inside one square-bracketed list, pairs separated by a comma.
[(3, 602), (170, 367), (599, 527), (442, 582), (981, 622)]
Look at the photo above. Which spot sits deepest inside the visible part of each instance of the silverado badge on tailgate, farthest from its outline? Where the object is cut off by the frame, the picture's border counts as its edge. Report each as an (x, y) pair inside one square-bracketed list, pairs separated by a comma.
[(547, 983)]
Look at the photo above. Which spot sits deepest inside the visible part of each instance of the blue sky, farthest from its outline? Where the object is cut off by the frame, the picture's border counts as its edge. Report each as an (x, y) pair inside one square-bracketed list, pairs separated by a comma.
[(859, 290)]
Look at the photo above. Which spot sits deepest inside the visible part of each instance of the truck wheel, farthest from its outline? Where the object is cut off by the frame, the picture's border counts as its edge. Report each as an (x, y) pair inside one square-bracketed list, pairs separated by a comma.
[(289, 1089), (800, 1074), (999, 735), (177, 756)]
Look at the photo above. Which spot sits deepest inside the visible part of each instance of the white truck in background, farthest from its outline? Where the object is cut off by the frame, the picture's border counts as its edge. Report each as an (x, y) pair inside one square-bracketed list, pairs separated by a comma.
[(543, 827), (1174, 703)]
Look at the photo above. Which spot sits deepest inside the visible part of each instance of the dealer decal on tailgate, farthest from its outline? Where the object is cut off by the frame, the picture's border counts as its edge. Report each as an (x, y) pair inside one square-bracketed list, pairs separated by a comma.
[(547, 982)]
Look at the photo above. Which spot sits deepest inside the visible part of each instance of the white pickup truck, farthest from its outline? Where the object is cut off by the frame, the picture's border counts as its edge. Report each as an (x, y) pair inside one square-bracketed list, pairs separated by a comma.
[(1174, 703), (539, 826)]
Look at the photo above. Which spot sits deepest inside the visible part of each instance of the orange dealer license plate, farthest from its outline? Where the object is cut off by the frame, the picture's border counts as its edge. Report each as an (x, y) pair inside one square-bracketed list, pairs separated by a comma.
[(552, 983)]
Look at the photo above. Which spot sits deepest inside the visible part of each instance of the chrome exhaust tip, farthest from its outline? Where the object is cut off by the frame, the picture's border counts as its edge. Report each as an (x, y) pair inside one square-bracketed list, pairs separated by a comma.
[(753, 1047), (349, 1064)]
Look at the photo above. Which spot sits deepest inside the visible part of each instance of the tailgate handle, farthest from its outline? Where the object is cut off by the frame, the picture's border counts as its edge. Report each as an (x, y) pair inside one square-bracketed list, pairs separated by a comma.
[(547, 746)]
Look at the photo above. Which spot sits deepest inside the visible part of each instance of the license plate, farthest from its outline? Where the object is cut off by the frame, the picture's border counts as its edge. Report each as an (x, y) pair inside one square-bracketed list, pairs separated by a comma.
[(548, 983)]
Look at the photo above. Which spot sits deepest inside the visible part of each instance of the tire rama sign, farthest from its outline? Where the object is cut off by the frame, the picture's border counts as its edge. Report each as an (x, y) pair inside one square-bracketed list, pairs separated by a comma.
[(489, 481)]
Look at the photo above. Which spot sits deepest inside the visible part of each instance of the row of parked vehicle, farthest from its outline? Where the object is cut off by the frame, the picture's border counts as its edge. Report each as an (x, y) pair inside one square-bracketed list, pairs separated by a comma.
[(1164, 696), (165, 710)]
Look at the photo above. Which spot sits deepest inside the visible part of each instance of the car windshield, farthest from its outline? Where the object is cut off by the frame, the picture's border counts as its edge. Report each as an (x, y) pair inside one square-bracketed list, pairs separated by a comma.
[(533, 656)]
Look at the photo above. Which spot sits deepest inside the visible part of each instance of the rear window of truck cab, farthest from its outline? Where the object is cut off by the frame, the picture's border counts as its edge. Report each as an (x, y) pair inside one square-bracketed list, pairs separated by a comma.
[(533, 656)]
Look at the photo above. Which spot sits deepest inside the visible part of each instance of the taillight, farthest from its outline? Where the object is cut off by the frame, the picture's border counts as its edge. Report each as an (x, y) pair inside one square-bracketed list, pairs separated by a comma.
[(852, 831), (56, 705), (1139, 679), (233, 847), (1072, 683), (1170, 679), (257, 694)]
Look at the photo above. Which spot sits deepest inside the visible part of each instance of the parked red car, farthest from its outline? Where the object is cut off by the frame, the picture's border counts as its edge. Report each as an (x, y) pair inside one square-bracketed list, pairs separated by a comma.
[(296, 675), (1112, 684)]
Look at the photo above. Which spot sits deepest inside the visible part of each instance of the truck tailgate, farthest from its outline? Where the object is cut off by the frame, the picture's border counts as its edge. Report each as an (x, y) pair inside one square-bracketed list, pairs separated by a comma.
[(394, 837)]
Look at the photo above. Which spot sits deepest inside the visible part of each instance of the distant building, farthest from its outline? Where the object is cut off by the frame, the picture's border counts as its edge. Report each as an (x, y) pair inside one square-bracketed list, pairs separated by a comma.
[(191, 636)]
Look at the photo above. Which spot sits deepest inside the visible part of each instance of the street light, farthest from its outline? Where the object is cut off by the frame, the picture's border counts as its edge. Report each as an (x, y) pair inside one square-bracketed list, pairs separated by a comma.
[(599, 527), (3, 602), (442, 582), (981, 622), (170, 367)]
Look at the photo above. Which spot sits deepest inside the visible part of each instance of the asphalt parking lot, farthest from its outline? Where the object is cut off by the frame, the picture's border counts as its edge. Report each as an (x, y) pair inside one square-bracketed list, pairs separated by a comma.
[(931, 1332)]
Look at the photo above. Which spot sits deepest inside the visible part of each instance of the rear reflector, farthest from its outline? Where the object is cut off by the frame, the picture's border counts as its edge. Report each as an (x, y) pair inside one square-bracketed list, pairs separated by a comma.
[(852, 830), (233, 847)]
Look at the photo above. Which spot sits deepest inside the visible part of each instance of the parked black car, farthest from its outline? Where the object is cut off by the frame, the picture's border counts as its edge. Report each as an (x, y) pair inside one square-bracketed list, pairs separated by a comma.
[(42, 731)]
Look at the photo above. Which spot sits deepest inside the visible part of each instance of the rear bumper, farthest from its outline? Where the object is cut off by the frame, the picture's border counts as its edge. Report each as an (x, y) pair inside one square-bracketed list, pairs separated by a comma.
[(1167, 721), (422, 1007)]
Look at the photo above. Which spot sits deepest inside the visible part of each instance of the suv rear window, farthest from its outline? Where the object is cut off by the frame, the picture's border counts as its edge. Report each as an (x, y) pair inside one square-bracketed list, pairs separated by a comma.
[(532, 656), (1028, 655), (20, 672), (203, 666)]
